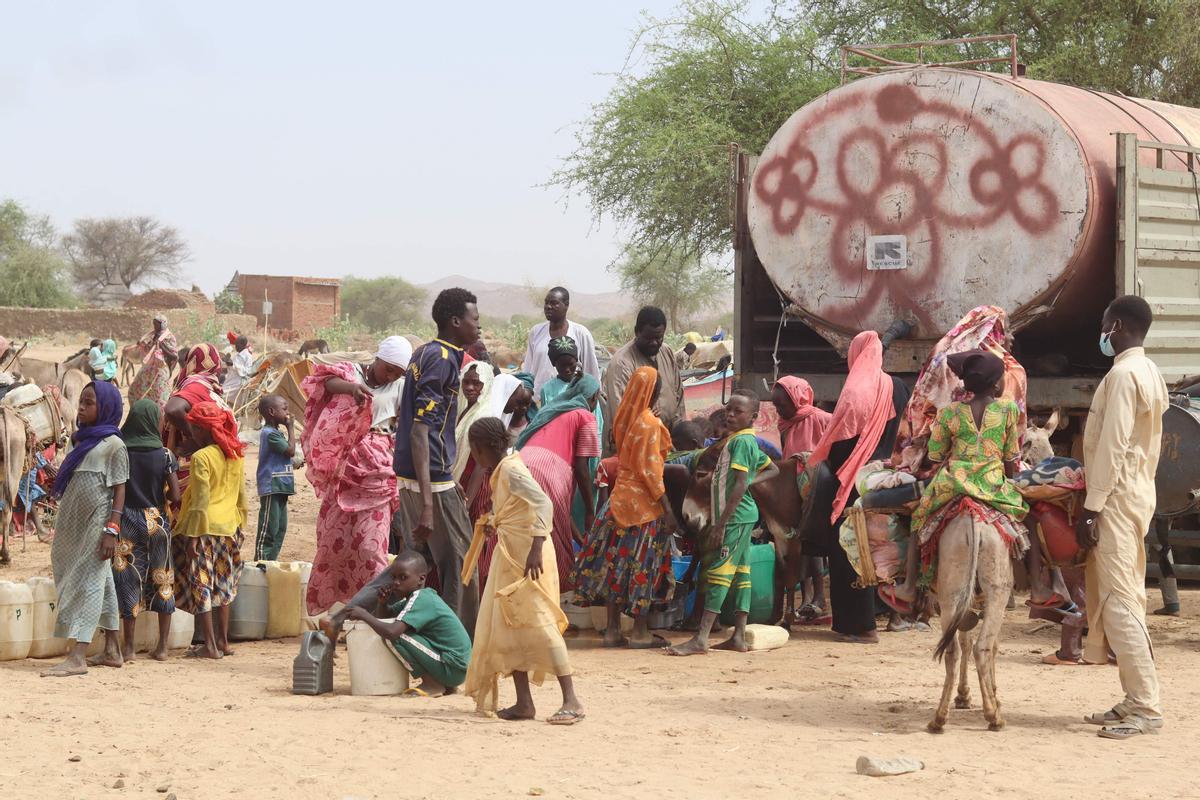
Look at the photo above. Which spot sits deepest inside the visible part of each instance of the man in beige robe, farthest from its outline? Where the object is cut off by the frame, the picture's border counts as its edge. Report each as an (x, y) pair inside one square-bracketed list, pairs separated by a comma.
[(1120, 453), (646, 350)]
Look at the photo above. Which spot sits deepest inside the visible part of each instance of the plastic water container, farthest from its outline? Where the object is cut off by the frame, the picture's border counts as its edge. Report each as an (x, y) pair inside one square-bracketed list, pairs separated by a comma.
[(285, 600), (578, 616), (248, 614), (16, 620), (45, 613), (599, 616), (766, 637), (37, 410), (312, 671), (310, 622), (374, 669), (179, 636), (762, 587)]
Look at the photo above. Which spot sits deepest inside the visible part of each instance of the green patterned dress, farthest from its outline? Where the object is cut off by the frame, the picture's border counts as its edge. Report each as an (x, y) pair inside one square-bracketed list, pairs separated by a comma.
[(974, 460)]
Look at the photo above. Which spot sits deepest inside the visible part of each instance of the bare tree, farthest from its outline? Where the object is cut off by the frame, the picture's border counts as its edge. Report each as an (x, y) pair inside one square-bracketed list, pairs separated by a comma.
[(124, 251)]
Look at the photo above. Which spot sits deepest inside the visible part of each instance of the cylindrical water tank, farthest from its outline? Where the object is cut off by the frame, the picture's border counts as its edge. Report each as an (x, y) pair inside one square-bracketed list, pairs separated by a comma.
[(921, 193)]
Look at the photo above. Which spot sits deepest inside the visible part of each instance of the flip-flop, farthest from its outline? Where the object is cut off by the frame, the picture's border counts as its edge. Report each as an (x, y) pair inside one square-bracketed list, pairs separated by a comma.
[(1056, 603), (888, 595), (1165, 612), (656, 643), (415, 691), (823, 620), (563, 717)]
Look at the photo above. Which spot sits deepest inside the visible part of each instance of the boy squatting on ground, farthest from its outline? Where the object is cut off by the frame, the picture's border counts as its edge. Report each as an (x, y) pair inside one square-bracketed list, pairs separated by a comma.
[(276, 481), (420, 629), (726, 562)]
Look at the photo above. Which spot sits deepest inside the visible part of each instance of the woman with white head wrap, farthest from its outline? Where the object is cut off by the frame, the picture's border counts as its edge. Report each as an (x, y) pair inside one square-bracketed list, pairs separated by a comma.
[(348, 439), (159, 354)]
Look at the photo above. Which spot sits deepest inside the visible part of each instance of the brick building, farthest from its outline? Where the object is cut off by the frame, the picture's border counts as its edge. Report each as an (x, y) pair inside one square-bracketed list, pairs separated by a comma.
[(297, 303)]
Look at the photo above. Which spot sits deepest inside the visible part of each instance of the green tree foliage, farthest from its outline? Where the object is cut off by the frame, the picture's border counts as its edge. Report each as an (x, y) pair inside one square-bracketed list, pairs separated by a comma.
[(382, 305), (682, 288), (654, 154), (228, 302), (33, 273), (1137, 47)]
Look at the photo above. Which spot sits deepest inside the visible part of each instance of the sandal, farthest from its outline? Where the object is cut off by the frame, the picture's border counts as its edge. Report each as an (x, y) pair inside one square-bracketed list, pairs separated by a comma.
[(1110, 717), (1056, 602), (564, 717), (415, 691), (1124, 730), (888, 595)]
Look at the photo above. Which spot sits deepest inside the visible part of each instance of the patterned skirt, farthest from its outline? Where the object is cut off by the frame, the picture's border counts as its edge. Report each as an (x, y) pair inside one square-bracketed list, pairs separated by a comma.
[(207, 570), (631, 565), (142, 567)]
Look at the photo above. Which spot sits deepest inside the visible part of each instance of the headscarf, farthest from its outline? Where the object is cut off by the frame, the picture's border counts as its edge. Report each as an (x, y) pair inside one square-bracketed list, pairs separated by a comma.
[(469, 416), (503, 388), (525, 378), (643, 444), (396, 351), (202, 363), (221, 424), (141, 426), (562, 346), (983, 328), (231, 337), (976, 368), (801, 433), (108, 416), (863, 411), (162, 318), (577, 395)]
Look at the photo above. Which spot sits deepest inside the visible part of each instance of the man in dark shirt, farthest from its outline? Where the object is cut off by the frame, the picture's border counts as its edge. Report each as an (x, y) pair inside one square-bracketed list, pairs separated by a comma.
[(434, 514)]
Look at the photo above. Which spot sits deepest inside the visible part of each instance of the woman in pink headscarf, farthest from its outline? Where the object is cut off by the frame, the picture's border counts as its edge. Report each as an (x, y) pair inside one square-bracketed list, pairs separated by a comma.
[(801, 427), (801, 424), (863, 429)]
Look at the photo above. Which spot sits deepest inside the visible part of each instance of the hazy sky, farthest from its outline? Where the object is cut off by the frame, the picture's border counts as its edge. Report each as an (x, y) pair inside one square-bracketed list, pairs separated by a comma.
[(318, 138)]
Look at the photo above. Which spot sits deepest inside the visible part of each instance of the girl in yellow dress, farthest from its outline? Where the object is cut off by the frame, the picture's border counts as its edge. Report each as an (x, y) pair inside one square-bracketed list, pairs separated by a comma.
[(520, 625)]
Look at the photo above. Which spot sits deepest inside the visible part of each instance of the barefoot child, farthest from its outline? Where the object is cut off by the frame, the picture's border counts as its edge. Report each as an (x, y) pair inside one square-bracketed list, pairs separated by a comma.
[(142, 568), (420, 629), (91, 491), (520, 624), (208, 536), (726, 564), (276, 482)]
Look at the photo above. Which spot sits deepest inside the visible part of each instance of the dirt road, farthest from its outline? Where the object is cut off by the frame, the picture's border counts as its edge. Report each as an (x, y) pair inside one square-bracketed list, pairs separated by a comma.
[(788, 723)]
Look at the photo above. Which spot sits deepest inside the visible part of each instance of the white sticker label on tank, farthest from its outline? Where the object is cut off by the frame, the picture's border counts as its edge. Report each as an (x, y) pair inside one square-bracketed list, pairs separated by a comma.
[(887, 252)]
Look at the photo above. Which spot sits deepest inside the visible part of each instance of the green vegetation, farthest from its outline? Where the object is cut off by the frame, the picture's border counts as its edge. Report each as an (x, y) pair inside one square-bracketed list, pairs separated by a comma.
[(33, 273), (383, 305), (228, 302)]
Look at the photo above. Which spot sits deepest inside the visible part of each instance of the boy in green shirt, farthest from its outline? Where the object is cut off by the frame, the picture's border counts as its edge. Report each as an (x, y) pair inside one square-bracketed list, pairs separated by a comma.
[(726, 564), (420, 629)]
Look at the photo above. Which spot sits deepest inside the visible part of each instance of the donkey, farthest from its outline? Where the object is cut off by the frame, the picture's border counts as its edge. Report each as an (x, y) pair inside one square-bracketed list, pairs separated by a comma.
[(970, 552), (1036, 448), (13, 457)]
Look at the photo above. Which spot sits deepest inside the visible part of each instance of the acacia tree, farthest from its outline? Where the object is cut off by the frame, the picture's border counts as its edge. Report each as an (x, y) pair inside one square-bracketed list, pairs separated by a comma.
[(654, 154), (682, 288), (1144, 48), (126, 251), (382, 304), (32, 270)]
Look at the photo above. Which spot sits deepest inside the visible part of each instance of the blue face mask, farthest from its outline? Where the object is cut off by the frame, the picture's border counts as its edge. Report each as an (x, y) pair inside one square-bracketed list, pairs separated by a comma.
[(1106, 346)]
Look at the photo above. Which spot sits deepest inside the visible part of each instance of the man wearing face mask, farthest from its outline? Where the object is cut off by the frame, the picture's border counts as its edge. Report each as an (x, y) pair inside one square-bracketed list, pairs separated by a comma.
[(646, 350), (1120, 453)]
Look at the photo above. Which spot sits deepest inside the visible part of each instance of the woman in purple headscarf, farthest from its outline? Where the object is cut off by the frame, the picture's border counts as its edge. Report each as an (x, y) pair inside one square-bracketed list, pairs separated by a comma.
[(90, 488)]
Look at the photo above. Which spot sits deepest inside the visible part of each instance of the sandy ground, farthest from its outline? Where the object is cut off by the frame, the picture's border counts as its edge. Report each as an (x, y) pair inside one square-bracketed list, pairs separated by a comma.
[(785, 723)]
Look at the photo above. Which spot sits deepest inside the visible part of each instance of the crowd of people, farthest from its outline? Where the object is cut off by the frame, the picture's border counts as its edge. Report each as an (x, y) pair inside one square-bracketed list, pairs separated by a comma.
[(460, 504)]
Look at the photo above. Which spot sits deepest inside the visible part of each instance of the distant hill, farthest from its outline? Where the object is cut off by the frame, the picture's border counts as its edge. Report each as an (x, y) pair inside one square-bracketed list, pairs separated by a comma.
[(506, 300)]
